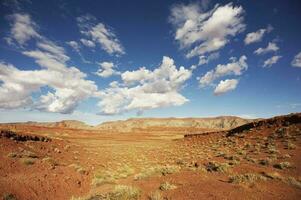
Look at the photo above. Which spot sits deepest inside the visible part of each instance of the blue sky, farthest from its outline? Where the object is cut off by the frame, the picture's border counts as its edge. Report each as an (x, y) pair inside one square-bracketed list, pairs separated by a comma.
[(97, 61)]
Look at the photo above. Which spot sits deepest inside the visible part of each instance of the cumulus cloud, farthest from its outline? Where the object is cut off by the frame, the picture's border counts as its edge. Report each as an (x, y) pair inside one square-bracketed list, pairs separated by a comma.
[(235, 67), (22, 28), (205, 32), (99, 33), (74, 45), (296, 62), (271, 61), (257, 36), (67, 85), (272, 47), (87, 43), (143, 89), (140, 75), (205, 60), (106, 69), (69, 88), (225, 86)]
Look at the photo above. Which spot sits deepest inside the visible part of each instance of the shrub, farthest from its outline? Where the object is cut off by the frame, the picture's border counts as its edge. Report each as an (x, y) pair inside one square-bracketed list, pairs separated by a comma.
[(28, 161), (9, 197), (110, 176), (156, 195), (264, 162), (12, 155), (246, 178), (167, 186), (157, 171), (272, 175), (282, 165), (29, 154), (217, 167), (294, 182), (123, 192), (290, 146), (50, 161), (78, 168)]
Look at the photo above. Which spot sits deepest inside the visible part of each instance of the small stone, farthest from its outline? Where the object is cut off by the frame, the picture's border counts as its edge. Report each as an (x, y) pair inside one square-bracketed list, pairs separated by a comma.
[(56, 150)]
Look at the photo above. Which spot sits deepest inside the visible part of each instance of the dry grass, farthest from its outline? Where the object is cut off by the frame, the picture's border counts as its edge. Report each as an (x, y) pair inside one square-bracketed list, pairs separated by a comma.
[(157, 171), (283, 165), (78, 168), (217, 167), (50, 161), (156, 195), (167, 186), (9, 197), (110, 176), (294, 182), (246, 178), (124, 192), (272, 175), (12, 155), (28, 161)]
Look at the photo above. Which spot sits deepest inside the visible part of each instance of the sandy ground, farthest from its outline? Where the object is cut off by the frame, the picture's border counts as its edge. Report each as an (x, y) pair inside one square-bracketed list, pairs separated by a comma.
[(159, 163)]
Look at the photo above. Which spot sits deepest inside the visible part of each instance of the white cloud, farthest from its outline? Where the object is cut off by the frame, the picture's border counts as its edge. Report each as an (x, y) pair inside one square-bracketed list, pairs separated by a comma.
[(106, 69), (87, 43), (22, 28), (257, 36), (225, 86), (271, 61), (270, 48), (139, 75), (296, 62), (206, 32), (205, 60), (144, 89), (75, 46), (99, 33), (236, 67), (68, 85)]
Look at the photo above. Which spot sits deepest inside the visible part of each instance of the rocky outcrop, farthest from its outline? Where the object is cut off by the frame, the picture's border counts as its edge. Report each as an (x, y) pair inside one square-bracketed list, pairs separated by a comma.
[(280, 121)]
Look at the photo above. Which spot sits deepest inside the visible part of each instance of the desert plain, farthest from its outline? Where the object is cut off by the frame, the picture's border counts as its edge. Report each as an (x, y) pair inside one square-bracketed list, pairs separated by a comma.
[(149, 158)]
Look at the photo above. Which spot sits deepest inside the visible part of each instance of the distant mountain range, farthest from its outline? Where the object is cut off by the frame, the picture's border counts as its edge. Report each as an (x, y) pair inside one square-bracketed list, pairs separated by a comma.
[(223, 122)]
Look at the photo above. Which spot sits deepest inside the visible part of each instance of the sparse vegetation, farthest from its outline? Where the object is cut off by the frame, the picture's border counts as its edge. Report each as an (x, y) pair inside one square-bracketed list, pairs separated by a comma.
[(282, 165), (78, 168), (272, 175), (50, 161), (167, 186), (12, 155), (246, 178), (124, 192), (265, 162), (9, 196), (157, 170), (294, 182), (156, 195), (29, 154), (110, 176), (28, 161), (290, 146), (217, 167)]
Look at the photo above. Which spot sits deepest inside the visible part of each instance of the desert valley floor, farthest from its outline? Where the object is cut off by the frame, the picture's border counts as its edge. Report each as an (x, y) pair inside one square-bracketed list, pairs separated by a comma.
[(250, 160)]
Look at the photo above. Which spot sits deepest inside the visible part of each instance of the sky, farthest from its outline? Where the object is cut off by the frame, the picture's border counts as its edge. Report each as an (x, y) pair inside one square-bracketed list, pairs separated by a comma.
[(99, 61)]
